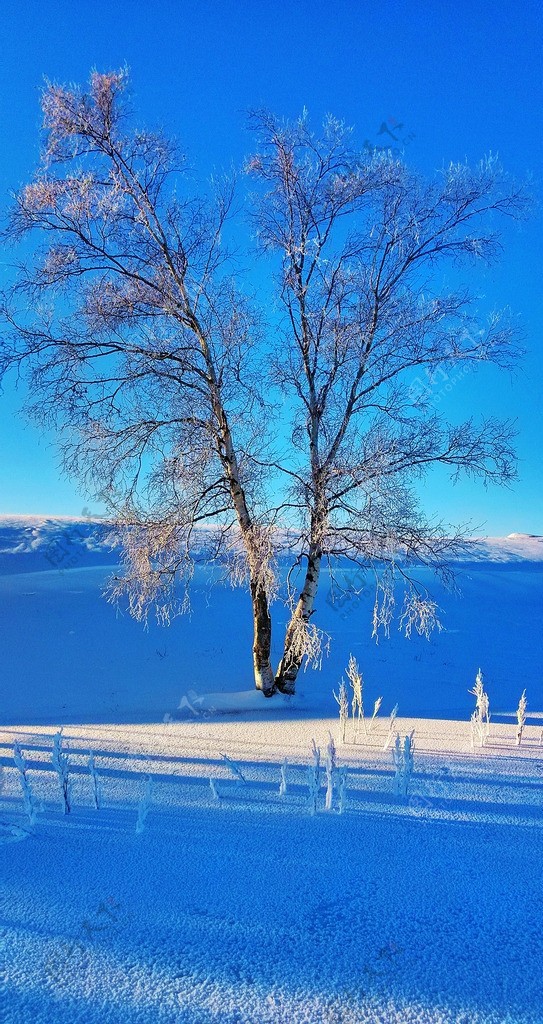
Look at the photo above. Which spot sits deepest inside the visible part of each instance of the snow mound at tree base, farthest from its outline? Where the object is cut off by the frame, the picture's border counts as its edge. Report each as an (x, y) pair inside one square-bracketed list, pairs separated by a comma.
[(242, 702)]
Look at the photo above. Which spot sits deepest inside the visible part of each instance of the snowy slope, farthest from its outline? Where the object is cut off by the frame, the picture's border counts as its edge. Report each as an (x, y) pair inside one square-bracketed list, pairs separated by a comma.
[(244, 908)]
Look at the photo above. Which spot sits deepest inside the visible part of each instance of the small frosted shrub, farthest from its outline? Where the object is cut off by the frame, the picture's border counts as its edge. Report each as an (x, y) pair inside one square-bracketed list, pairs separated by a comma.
[(376, 709), (60, 764), (354, 676), (30, 804), (521, 717), (391, 726), (234, 768), (480, 719), (343, 702)]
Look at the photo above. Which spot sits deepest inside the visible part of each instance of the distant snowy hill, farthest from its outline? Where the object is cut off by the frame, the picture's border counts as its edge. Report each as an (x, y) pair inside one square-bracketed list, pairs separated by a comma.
[(29, 543), (34, 543), (516, 547)]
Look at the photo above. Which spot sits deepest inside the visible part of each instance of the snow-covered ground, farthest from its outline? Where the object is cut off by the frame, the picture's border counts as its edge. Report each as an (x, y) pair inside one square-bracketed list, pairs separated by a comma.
[(243, 906)]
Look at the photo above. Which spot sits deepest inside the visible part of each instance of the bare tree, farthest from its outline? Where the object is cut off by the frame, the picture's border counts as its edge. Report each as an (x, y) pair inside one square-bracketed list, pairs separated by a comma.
[(143, 350), (140, 347), (366, 329)]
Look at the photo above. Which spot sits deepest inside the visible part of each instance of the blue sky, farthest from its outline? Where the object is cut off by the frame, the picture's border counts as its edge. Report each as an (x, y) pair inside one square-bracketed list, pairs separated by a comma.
[(464, 78)]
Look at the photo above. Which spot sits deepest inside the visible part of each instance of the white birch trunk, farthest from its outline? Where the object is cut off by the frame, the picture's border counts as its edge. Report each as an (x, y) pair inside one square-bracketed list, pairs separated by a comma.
[(263, 673), (294, 650)]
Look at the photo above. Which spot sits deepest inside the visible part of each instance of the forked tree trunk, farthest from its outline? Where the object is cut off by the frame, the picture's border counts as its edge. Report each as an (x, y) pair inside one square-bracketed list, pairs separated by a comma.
[(294, 649)]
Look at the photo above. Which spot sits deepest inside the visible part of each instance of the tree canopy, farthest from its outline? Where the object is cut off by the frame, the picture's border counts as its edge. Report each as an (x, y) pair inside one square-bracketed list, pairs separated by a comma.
[(143, 344)]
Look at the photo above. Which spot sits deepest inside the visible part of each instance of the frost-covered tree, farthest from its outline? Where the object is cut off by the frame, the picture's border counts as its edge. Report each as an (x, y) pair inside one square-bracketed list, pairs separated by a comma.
[(141, 345), (359, 243)]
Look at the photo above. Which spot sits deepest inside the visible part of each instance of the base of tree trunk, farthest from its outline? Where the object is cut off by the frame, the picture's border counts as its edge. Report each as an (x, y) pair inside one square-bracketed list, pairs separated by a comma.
[(287, 686), (263, 674)]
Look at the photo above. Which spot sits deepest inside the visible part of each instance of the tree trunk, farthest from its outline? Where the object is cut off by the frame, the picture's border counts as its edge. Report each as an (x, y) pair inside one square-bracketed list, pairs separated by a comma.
[(294, 649), (263, 672)]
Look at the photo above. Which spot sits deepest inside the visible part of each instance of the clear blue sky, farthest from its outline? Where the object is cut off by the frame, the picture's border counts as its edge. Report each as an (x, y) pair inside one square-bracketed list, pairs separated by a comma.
[(465, 78)]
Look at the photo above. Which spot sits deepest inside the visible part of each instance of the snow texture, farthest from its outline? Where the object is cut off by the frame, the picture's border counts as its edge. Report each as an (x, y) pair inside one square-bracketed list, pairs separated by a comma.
[(234, 903)]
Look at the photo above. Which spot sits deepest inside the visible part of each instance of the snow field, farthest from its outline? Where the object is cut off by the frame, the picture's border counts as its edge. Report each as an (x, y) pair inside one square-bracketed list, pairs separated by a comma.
[(172, 906), (251, 910)]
